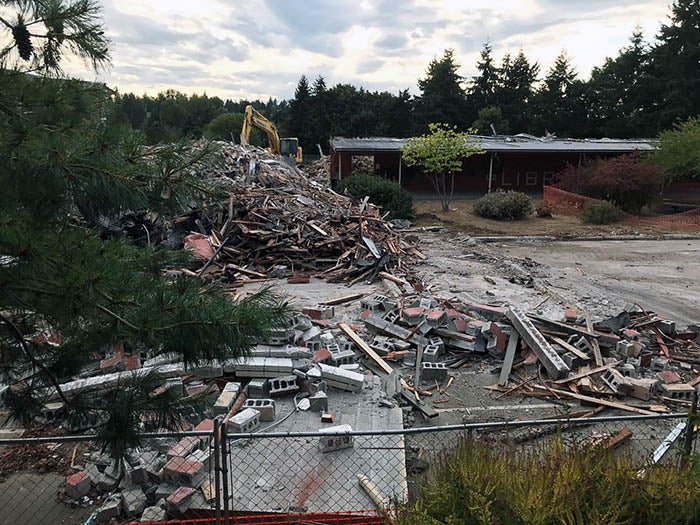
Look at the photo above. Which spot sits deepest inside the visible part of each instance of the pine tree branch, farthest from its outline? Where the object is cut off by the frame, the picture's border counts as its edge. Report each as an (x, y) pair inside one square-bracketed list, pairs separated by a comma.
[(117, 317), (6, 23), (27, 351)]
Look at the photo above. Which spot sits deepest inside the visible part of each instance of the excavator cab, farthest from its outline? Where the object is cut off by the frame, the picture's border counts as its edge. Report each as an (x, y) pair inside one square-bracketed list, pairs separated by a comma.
[(289, 147)]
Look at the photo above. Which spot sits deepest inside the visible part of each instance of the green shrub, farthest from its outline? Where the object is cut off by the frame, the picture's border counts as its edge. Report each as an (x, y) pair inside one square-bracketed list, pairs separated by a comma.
[(382, 192), (504, 206), (602, 212), (484, 482)]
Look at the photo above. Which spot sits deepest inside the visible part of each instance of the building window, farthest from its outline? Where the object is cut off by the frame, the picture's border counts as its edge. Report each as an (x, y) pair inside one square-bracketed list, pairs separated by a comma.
[(530, 178), (548, 177)]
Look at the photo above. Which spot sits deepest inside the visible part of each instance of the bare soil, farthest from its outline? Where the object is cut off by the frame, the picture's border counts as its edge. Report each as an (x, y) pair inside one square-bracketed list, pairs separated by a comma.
[(462, 219)]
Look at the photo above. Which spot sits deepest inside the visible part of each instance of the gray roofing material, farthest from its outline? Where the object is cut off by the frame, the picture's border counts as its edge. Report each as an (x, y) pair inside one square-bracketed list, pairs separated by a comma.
[(507, 144)]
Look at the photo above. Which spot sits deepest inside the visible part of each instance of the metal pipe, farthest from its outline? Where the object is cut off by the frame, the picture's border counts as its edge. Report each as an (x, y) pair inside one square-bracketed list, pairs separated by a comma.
[(224, 471), (217, 468), (490, 172)]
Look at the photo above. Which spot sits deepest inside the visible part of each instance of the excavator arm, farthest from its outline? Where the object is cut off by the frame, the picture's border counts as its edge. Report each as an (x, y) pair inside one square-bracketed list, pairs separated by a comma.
[(252, 117)]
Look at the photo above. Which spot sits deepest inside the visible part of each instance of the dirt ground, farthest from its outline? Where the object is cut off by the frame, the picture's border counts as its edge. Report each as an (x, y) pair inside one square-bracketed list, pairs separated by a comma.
[(461, 219)]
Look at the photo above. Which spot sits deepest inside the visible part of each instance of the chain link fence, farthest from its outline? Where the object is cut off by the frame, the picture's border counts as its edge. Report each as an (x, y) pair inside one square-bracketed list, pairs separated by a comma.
[(331, 476)]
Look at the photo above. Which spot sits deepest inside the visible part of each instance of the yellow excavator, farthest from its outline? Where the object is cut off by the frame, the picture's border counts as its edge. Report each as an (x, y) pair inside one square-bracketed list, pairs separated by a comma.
[(287, 148)]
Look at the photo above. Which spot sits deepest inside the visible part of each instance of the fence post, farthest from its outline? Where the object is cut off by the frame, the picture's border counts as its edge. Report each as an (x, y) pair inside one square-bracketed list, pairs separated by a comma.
[(217, 469), (690, 429), (224, 471)]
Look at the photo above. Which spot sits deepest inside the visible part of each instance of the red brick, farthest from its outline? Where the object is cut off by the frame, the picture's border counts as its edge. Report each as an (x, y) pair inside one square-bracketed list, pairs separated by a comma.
[(314, 313), (570, 314), (180, 495), (206, 425), (182, 467), (320, 356), (77, 478), (183, 447), (668, 377)]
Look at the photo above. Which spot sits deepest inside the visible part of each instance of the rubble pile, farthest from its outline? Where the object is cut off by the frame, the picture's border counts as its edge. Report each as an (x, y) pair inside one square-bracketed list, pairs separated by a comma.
[(318, 170), (279, 223)]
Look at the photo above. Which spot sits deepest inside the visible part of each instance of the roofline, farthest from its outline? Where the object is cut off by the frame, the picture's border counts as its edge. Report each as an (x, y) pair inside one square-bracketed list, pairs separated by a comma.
[(488, 145)]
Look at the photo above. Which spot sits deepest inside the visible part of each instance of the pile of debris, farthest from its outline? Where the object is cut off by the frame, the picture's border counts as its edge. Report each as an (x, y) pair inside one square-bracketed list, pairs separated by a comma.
[(279, 223)]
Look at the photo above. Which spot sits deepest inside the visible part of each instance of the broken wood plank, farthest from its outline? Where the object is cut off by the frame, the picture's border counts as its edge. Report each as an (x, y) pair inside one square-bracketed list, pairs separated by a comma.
[(344, 299), (569, 347), (425, 409), (603, 402), (585, 374), (594, 342), (362, 345), (508, 361)]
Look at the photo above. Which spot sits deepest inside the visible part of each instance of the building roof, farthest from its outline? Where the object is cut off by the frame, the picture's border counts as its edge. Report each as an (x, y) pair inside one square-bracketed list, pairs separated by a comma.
[(522, 143)]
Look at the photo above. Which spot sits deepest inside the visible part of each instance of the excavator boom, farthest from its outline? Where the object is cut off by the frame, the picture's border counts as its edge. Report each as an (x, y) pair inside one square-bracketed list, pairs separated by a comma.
[(287, 147)]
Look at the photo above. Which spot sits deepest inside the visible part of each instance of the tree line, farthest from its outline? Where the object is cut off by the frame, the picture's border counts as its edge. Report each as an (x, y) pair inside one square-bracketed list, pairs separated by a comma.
[(646, 88)]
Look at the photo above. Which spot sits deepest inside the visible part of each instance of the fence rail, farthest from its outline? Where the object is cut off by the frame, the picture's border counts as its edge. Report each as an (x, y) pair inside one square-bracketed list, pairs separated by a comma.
[(277, 477)]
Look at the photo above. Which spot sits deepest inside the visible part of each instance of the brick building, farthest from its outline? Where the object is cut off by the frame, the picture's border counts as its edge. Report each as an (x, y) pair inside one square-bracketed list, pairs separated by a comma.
[(519, 162)]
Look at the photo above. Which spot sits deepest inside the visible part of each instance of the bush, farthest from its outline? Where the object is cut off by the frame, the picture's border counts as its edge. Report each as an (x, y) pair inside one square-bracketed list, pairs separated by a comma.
[(545, 209), (628, 180), (382, 192), (603, 212), (504, 206)]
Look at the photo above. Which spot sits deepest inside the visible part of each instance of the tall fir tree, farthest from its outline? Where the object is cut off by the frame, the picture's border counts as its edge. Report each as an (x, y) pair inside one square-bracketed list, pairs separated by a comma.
[(442, 96), (515, 89), (483, 89), (300, 114)]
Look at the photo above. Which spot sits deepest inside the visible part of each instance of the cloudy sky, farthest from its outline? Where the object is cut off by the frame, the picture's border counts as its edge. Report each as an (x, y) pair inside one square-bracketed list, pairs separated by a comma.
[(260, 48)]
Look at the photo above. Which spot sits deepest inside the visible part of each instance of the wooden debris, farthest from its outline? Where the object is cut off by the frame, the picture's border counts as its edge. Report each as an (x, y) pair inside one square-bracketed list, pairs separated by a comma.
[(374, 356)]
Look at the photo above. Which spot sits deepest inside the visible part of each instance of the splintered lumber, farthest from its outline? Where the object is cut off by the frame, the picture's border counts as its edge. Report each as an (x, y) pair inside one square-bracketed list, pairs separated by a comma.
[(594, 342), (569, 329), (602, 402), (555, 365), (508, 361), (380, 501), (362, 345), (415, 403), (342, 300), (569, 347), (585, 374)]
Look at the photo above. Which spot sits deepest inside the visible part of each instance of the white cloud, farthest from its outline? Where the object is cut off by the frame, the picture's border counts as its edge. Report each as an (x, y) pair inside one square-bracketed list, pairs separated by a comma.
[(263, 49)]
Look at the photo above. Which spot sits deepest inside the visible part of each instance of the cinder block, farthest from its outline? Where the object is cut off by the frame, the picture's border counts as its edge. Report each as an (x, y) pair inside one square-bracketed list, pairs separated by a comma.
[(572, 360), (133, 502), (434, 371), (318, 402), (338, 441), (341, 379), (245, 421), (677, 391), (615, 381), (155, 513), (266, 407), (258, 388), (282, 386), (78, 485), (642, 388), (430, 354)]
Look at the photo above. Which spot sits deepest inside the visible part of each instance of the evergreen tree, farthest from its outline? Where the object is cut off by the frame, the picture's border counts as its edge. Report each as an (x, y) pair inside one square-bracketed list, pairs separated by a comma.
[(621, 105), (482, 92), (515, 90), (320, 123), (66, 294), (559, 108), (675, 65), (442, 97), (300, 114)]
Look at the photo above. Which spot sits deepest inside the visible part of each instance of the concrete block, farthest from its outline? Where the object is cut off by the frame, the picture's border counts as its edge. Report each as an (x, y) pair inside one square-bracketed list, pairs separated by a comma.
[(338, 440), (572, 360), (667, 326), (284, 386), (413, 316), (434, 371), (258, 388), (104, 482), (642, 388), (436, 318), (164, 490), (615, 381), (341, 379), (430, 354), (318, 402), (133, 502), (266, 407), (155, 513), (677, 391), (245, 421), (203, 456), (78, 485), (109, 509), (437, 341)]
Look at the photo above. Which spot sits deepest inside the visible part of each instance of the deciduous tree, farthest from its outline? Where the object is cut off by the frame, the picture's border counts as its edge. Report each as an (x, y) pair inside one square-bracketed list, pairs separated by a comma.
[(440, 154)]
